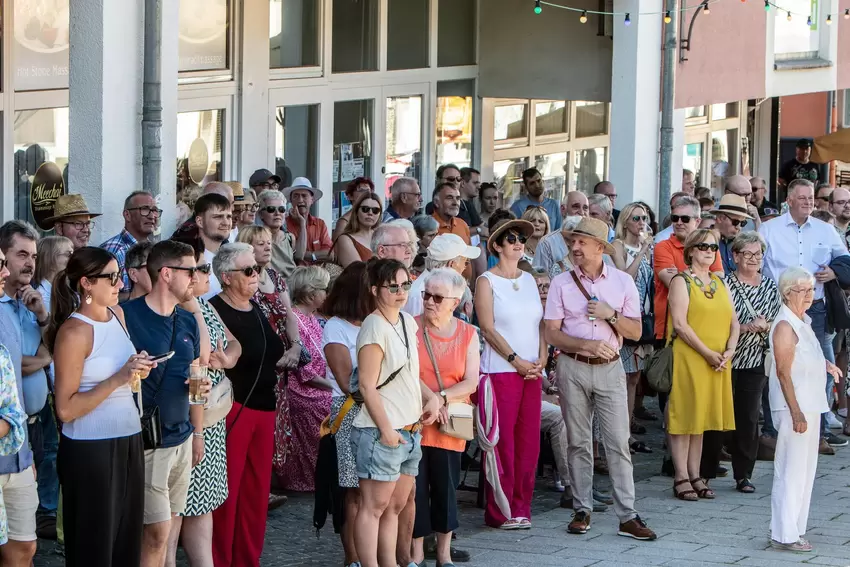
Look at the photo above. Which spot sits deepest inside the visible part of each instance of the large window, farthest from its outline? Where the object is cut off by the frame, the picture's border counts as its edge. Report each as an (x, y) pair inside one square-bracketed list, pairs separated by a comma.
[(355, 36), (404, 138), (42, 42), (294, 33), (589, 168), (510, 124), (407, 34), (456, 33), (200, 139), (692, 160), (354, 123), (795, 38), (296, 141), (454, 122), (553, 169), (508, 176), (550, 118), (591, 119), (204, 35)]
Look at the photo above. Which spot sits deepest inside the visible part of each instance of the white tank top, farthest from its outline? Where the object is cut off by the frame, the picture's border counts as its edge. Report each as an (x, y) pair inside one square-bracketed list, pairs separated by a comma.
[(517, 314), (117, 415)]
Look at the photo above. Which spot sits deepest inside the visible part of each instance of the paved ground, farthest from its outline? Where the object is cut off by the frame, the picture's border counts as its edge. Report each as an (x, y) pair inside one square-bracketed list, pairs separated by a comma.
[(729, 530)]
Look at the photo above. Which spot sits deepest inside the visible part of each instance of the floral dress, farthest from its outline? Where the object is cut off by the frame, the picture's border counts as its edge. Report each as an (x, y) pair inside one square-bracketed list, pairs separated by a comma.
[(308, 407), (272, 307), (208, 480), (13, 414)]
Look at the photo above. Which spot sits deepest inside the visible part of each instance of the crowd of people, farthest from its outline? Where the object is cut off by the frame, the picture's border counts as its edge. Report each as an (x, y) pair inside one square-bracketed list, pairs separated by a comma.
[(166, 392)]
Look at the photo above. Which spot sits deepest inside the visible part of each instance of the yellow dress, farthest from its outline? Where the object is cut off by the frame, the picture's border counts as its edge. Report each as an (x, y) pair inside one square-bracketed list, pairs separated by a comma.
[(700, 398)]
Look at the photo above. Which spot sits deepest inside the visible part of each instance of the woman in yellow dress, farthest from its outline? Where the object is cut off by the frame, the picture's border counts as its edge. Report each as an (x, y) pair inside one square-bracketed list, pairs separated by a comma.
[(706, 333)]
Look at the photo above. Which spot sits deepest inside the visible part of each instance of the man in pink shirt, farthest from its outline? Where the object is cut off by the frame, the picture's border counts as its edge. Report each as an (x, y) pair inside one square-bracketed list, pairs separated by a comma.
[(588, 312)]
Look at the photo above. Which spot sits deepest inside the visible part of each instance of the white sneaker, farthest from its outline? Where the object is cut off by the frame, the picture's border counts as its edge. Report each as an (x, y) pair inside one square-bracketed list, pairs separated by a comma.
[(833, 422), (842, 412), (559, 486)]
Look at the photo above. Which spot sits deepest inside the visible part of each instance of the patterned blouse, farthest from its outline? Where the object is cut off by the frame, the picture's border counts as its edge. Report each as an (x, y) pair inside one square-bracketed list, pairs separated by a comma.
[(13, 414), (310, 329), (765, 299)]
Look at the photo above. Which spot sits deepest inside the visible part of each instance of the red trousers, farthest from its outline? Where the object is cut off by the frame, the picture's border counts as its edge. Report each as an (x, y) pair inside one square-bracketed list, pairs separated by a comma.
[(518, 402), (239, 525)]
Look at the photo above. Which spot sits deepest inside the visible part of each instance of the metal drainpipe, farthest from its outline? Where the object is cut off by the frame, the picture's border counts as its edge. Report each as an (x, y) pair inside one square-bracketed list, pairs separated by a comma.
[(152, 100), (668, 91)]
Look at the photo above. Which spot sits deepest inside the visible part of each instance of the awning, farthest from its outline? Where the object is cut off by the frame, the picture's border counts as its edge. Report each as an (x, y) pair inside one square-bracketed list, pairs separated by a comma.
[(832, 146)]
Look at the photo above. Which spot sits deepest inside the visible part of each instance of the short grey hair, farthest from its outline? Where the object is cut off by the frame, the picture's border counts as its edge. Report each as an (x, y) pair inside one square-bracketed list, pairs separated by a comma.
[(129, 200), (794, 275), (268, 196), (306, 281), (432, 264), (400, 184), (448, 277), (380, 235), (16, 227), (407, 226), (799, 183), (686, 201), (601, 201), (424, 223), (225, 259), (744, 239)]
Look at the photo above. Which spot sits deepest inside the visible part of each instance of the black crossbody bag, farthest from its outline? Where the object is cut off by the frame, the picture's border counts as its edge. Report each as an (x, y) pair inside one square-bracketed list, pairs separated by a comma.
[(357, 395)]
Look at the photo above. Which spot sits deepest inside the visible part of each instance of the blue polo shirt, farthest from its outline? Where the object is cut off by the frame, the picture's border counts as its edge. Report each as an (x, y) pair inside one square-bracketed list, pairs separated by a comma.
[(26, 324), (165, 387), (553, 209), (11, 339)]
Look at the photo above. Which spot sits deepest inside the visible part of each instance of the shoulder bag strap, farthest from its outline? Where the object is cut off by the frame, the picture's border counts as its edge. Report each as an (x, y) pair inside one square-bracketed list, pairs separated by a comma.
[(392, 376), (587, 296), (256, 309), (430, 350), (343, 411), (744, 297)]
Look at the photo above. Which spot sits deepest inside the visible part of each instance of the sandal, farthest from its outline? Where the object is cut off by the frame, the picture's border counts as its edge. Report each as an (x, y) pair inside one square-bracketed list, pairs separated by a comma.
[(512, 524), (706, 492), (524, 524), (687, 495), (744, 485), (640, 447)]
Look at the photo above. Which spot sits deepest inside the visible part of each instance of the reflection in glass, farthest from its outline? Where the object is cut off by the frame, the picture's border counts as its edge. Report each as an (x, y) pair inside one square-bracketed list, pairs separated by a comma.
[(199, 148), (591, 119), (692, 160), (508, 176), (724, 110), (724, 145), (695, 112), (454, 122), (588, 169), (294, 33), (407, 34), (456, 33), (404, 138), (203, 35), (40, 136), (353, 124), (553, 168), (354, 36), (510, 122), (550, 117), (296, 139), (42, 41)]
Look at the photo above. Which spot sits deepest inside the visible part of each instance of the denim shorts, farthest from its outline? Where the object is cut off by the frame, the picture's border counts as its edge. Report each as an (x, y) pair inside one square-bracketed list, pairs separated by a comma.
[(376, 461)]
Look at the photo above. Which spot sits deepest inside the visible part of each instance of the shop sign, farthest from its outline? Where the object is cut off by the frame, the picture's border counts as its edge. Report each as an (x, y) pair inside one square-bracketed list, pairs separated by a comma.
[(47, 186)]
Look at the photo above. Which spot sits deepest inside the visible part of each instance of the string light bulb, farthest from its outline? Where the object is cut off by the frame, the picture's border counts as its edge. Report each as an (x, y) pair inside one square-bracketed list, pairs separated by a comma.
[(583, 17), (706, 9), (537, 7), (788, 17), (766, 5), (628, 20), (667, 17), (809, 21), (829, 20), (847, 14)]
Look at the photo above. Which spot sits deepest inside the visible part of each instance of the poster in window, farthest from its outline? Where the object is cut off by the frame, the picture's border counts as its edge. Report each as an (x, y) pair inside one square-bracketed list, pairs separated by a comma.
[(42, 41), (203, 35), (47, 186)]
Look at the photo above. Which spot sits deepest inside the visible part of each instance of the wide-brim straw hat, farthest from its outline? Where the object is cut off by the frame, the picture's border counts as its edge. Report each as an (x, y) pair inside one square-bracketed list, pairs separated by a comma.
[(732, 204), (521, 226), (302, 183), (596, 229), (69, 206)]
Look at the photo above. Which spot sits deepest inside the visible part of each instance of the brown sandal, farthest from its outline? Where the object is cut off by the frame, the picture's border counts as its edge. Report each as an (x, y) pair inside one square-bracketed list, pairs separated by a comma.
[(687, 495), (706, 493)]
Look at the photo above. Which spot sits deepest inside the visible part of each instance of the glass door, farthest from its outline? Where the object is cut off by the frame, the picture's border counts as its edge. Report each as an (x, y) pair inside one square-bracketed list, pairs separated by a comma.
[(404, 117), (354, 143)]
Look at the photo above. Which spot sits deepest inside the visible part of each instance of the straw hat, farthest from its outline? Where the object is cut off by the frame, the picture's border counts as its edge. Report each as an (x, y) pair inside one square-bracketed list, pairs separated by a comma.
[(69, 206), (732, 204), (238, 191), (302, 183), (521, 226), (590, 227)]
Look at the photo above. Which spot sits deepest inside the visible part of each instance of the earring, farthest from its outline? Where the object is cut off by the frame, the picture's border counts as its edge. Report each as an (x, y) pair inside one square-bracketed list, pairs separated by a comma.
[(88, 299)]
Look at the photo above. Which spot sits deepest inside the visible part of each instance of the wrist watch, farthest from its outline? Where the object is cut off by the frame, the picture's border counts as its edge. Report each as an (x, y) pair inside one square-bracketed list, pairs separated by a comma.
[(445, 399), (512, 357), (614, 318)]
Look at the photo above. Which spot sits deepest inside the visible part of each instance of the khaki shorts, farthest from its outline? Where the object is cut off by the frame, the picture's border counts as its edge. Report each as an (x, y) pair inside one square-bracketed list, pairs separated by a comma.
[(20, 495), (167, 481)]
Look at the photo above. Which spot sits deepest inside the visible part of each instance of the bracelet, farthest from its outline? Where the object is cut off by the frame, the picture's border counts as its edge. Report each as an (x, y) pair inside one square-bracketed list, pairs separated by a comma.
[(196, 434)]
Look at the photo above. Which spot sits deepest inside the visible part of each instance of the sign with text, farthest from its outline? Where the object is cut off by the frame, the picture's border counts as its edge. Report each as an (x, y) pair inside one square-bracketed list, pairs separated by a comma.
[(203, 35), (47, 186), (41, 44)]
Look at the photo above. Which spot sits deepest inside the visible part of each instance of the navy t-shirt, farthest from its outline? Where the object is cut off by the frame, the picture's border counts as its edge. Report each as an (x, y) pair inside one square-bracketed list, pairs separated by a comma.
[(165, 386)]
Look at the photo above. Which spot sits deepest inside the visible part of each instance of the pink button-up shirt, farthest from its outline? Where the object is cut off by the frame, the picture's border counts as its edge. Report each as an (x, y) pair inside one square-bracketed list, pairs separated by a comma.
[(566, 303)]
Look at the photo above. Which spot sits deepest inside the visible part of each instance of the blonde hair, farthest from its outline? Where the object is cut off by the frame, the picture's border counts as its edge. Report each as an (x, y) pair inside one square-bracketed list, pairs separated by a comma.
[(247, 234), (47, 249), (307, 280), (537, 213), (626, 216)]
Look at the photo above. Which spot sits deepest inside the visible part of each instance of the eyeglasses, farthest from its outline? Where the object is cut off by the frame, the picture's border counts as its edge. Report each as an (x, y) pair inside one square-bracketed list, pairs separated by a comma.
[(705, 247), (112, 277), (407, 245), (398, 287), (417, 195), (146, 210), (752, 255), (512, 238), (205, 268), (373, 210), (737, 222), (841, 203), (452, 179), (80, 225), (267, 185), (438, 299), (247, 272), (825, 199), (250, 207), (272, 210), (543, 287), (191, 270), (806, 290), (3, 264), (684, 218), (639, 218)]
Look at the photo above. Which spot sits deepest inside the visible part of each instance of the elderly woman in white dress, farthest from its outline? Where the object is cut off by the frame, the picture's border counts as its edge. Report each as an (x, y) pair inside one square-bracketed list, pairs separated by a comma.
[(797, 399)]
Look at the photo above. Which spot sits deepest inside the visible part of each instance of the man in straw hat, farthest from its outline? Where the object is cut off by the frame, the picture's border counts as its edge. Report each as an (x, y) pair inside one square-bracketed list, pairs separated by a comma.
[(590, 309), (730, 216), (302, 224), (141, 219), (72, 219)]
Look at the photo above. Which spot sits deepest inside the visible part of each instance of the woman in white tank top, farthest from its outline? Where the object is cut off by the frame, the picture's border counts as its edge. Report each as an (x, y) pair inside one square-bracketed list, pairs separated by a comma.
[(509, 313), (101, 459)]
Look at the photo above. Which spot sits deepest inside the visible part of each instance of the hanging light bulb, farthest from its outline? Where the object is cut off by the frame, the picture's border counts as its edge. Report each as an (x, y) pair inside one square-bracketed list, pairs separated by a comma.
[(809, 21), (847, 14), (829, 20), (628, 20), (583, 18), (537, 7), (788, 17), (707, 10), (766, 5), (667, 17)]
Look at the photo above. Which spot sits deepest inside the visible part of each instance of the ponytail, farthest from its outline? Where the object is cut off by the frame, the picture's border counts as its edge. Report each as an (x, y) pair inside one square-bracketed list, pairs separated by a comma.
[(64, 300)]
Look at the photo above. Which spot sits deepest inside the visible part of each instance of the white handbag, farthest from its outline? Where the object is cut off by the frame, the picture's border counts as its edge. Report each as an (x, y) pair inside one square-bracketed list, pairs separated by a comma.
[(220, 402)]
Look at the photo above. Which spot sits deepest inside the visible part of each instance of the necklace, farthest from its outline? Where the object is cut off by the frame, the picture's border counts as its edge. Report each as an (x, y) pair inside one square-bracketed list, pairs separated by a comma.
[(402, 339), (712, 286), (514, 281)]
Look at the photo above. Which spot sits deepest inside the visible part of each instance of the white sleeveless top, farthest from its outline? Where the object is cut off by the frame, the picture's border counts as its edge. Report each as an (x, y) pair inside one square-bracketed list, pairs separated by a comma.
[(807, 370), (517, 314), (117, 415)]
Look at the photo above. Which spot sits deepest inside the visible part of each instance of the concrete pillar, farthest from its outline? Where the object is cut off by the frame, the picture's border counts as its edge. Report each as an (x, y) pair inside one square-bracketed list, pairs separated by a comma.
[(636, 102), (168, 96), (105, 106), (251, 141)]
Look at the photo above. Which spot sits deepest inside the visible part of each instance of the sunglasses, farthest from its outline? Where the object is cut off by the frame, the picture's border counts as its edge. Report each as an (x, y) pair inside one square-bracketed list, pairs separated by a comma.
[(397, 287), (438, 299), (205, 268), (250, 207), (373, 210), (736, 222), (112, 276), (705, 247), (684, 218), (3, 264), (249, 271), (512, 238), (191, 270), (639, 218), (272, 210)]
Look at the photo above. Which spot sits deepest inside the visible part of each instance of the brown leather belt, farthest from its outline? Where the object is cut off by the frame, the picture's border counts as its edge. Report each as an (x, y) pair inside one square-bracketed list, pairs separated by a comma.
[(591, 360), (413, 428)]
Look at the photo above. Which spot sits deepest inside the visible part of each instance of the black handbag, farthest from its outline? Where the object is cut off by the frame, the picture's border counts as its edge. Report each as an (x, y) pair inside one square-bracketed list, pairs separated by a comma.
[(647, 320), (151, 422)]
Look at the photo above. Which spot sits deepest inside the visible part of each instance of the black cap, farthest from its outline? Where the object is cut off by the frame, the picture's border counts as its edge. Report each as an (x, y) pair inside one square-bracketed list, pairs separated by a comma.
[(261, 176), (804, 143)]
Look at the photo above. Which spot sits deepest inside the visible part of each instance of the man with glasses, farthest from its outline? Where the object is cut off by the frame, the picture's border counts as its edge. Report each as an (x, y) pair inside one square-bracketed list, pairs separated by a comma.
[(822, 193), (740, 186), (72, 219), (311, 230), (263, 180), (729, 218), (532, 184), (141, 219), (405, 199), (446, 208), (214, 220), (392, 241), (759, 200), (839, 205), (157, 326), (607, 188)]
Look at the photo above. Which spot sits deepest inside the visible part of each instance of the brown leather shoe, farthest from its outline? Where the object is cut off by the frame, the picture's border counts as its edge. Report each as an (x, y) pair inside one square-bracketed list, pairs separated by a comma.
[(636, 528), (580, 523), (824, 448)]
